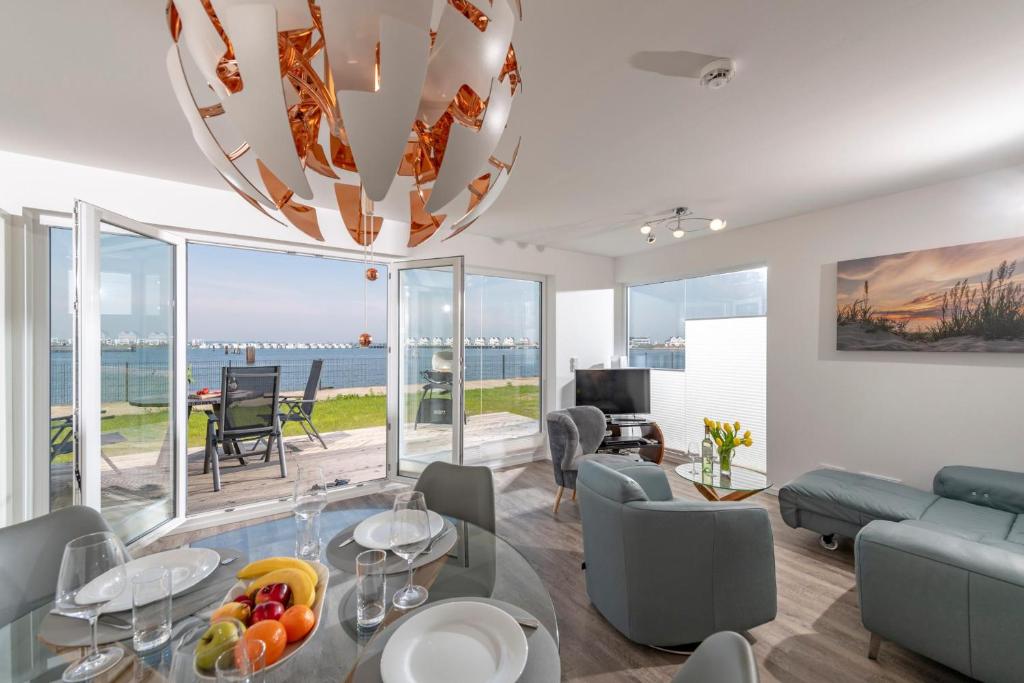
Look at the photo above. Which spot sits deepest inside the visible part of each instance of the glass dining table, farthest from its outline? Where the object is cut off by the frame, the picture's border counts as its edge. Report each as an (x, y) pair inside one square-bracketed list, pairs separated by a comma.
[(480, 565)]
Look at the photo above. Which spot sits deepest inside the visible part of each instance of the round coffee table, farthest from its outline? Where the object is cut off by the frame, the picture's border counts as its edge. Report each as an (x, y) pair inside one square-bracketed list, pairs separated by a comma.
[(742, 483)]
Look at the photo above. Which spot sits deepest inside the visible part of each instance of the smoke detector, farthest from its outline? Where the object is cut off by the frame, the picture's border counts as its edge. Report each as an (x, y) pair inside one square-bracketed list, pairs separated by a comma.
[(717, 74)]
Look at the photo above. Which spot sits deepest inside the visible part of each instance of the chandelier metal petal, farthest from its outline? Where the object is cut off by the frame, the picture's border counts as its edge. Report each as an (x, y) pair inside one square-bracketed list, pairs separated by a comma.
[(389, 109)]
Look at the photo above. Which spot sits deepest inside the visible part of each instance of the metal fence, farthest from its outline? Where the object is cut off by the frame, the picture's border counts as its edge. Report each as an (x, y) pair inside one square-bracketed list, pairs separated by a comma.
[(659, 359), (142, 383)]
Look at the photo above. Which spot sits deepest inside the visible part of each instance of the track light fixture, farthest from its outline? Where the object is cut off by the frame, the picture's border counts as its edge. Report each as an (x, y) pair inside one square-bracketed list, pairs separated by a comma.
[(679, 215)]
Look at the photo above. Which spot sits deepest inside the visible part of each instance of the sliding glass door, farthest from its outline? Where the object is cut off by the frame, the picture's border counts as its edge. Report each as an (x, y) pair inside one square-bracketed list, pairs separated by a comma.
[(129, 370), (425, 400)]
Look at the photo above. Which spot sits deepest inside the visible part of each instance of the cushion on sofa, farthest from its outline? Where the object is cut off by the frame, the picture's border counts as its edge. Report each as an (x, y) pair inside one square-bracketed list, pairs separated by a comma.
[(854, 498), (943, 529), (996, 489), (956, 515)]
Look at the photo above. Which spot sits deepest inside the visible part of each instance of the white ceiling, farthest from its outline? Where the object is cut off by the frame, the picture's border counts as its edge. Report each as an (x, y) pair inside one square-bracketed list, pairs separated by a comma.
[(833, 101)]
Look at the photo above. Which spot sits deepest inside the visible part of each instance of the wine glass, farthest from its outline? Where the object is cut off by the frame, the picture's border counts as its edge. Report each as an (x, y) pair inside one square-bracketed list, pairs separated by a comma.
[(410, 535), (308, 502), (92, 573), (694, 456)]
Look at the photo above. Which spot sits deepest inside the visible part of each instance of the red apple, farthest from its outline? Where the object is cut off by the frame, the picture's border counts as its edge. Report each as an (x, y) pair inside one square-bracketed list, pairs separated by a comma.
[(274, 592), (245, 600), (266, 611)]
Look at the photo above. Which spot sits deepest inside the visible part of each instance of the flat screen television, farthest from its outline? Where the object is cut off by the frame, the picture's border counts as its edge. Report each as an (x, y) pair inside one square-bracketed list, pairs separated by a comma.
[(624, 391)]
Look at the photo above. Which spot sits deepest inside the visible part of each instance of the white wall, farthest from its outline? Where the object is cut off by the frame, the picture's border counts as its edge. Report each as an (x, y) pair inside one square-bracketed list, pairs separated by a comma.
[(901, 415)]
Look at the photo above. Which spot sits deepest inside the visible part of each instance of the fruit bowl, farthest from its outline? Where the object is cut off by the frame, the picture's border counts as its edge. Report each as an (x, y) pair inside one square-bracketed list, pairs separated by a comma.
[(322, 573)]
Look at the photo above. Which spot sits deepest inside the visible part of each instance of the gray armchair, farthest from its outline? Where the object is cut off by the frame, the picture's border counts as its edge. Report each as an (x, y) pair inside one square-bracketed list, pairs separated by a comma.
[(574, 435), (666, 572)]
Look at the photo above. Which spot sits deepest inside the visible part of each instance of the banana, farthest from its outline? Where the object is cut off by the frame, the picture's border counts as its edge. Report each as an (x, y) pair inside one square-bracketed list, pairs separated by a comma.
[(303, 589), (260, 567)]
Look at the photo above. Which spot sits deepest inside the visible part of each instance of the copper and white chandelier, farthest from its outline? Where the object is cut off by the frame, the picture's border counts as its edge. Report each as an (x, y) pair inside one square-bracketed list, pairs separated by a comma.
[(388, 108)]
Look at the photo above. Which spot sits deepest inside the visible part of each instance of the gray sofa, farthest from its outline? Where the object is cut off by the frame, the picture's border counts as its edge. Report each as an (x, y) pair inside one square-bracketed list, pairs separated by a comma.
[(667, 572), (940, 572)]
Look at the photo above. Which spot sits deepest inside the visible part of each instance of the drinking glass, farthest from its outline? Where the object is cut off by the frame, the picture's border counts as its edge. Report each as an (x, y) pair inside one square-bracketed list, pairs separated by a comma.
[(308, 502), (151, 608), (371, 602), (183, 653), (92, 573), (410, 535), (243, 663)]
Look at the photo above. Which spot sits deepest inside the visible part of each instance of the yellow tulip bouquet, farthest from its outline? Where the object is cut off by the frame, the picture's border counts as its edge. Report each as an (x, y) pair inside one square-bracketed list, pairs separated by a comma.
[(727, 439)]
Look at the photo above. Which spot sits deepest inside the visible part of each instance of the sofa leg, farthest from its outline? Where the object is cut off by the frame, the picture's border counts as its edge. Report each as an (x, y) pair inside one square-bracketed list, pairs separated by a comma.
[(874, 645), (558, 498), (574, 494), (829, 541)]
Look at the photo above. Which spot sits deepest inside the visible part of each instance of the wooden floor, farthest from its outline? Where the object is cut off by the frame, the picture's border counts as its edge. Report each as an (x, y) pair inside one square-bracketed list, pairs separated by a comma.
[(816, 637)]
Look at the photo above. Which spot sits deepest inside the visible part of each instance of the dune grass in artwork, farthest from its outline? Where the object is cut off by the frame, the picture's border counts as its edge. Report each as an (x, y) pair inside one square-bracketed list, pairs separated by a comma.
[(932, 301)]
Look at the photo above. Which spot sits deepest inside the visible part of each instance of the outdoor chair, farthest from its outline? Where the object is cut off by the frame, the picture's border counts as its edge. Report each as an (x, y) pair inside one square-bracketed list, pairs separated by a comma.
[(62, 439), (300, 410), (248, 411), (435, 405)]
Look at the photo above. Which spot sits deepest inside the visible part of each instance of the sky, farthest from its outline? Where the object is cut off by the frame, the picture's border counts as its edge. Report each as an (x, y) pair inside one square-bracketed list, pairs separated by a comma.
[(910, 286), (660, 310), (248, 295)]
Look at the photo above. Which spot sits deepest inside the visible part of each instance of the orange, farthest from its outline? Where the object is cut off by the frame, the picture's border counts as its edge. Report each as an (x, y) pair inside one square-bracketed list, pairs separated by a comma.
[(273, 634), (298, 620)]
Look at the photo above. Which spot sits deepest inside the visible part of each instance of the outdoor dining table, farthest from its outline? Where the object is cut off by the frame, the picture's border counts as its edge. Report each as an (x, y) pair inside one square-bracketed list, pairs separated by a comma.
[(480, 565)]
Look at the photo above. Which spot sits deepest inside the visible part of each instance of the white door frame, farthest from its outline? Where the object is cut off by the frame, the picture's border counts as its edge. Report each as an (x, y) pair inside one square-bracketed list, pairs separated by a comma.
[(88, 219), (30, 320), (395, 394)]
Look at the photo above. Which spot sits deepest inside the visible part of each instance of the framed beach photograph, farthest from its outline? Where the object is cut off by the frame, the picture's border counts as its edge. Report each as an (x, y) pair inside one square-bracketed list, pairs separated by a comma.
[(962, 298)]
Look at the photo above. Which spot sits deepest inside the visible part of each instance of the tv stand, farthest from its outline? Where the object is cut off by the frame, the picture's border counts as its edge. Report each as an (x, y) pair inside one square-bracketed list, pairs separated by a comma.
[(639, 434)]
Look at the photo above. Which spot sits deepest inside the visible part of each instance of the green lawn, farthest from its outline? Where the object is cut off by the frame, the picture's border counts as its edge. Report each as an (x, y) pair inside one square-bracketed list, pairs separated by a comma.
[(331, 415)]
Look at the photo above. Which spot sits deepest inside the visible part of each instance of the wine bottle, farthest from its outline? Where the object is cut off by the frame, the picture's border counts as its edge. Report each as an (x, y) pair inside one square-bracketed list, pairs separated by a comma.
[(707, 456)]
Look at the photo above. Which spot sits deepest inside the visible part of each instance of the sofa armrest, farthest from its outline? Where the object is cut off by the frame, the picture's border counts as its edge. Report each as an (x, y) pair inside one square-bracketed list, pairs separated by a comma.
[(941, 548), (997, 489)]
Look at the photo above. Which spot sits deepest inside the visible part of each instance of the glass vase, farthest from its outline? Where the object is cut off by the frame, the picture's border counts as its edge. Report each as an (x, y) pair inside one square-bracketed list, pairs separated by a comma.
[(726, 462)]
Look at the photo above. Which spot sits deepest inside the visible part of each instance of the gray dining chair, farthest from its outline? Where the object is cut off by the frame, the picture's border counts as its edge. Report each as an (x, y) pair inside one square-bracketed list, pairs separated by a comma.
[(30, 557), (459, 491), (725, 657), (300, 410)]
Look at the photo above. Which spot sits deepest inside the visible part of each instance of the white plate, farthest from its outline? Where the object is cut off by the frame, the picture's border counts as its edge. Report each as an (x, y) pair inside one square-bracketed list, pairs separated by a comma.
[(468, 642), (375, 532), (188, 566)]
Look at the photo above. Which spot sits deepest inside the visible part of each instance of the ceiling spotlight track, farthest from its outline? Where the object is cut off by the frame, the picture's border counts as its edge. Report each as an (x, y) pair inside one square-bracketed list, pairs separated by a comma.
[(675, 221)]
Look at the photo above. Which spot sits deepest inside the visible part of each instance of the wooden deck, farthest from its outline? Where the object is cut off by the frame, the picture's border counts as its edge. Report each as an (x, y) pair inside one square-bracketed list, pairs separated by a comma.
[(357, 455), (131, 481)]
